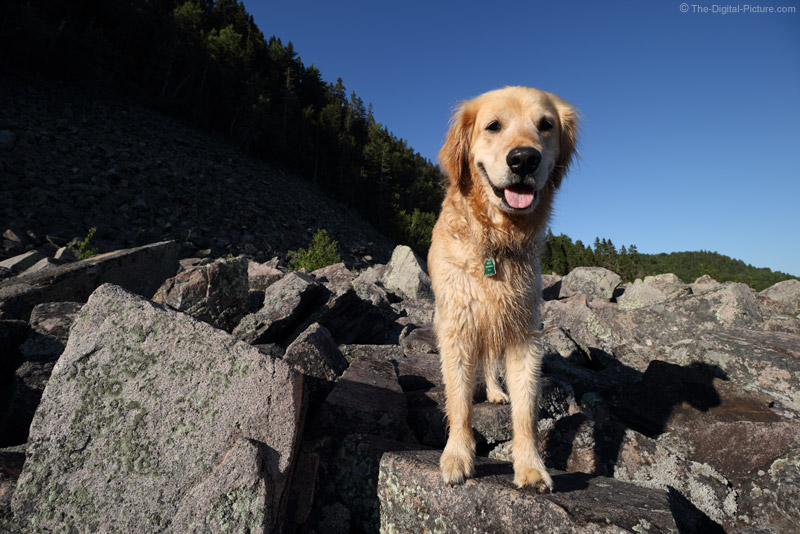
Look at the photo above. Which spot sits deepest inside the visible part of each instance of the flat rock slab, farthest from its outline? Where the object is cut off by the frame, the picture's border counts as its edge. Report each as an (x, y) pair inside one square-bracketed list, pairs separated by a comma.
[(367, 399), (153, 421), (140, 270), (414, 499)]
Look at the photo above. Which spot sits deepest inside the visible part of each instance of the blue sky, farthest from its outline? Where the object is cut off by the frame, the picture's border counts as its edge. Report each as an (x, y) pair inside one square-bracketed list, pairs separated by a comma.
[(691, 121)]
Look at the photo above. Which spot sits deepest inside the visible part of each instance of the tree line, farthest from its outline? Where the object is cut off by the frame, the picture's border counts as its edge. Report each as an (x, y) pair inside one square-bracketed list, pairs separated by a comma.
[(560, 255), (206, 61)]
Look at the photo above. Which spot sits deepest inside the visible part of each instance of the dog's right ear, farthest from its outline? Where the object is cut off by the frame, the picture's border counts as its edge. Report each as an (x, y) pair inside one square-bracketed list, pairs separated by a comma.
[(454, 155)]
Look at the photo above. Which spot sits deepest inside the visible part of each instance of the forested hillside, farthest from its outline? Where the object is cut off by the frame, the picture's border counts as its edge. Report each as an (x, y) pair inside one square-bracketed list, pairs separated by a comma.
[(561, 255), (206, 61)]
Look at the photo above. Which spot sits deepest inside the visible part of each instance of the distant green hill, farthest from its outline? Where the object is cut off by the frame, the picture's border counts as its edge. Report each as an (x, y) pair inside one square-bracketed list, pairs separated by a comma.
[(561, 255)]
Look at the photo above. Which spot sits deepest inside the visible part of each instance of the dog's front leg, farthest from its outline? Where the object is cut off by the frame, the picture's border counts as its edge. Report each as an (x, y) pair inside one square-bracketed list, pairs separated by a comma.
[(523, 361), (458, 371)]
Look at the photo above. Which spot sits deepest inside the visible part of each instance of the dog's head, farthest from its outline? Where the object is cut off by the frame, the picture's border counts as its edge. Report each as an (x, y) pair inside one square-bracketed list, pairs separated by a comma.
[(510, 146)]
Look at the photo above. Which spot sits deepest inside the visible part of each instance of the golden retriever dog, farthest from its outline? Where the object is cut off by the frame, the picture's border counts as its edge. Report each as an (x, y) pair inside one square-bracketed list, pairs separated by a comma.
[(505, 155)]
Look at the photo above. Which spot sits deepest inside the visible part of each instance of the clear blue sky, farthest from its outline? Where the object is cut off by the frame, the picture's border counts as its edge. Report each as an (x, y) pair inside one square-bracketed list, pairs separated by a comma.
[(691, 122)]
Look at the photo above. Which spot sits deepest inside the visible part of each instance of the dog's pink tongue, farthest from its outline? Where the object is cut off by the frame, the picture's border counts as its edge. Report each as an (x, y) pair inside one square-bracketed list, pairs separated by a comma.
[(518, 199)]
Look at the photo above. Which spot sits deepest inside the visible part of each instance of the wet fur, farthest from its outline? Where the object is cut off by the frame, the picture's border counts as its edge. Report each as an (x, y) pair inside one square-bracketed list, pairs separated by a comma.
[(484, 322)]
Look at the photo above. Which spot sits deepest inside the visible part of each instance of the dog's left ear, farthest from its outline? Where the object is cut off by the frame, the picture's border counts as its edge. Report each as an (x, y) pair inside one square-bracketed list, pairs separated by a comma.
[(454, 155), (568, 119)]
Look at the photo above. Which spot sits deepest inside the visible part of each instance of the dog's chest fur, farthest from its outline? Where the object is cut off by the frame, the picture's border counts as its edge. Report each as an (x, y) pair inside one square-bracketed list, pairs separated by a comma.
[(488, 310)]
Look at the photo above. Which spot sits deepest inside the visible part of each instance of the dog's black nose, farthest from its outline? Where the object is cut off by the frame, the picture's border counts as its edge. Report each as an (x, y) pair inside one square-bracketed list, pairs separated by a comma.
[(523, 160)]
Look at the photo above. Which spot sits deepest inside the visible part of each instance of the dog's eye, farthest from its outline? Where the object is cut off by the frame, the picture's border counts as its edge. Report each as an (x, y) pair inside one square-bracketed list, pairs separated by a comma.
[(493, 126), (545, 125)]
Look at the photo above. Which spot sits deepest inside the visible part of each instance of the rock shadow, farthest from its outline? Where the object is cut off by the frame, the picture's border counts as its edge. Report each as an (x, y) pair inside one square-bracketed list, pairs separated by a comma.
[(648, 403)]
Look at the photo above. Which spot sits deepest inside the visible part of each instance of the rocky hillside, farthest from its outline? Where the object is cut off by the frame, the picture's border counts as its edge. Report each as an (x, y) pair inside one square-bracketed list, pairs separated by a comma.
[(75, 157), (143, 393)]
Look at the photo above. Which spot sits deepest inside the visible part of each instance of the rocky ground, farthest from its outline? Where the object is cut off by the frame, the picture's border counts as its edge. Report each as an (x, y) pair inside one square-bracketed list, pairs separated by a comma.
[(183, 380), (74, 157), (142, 392)]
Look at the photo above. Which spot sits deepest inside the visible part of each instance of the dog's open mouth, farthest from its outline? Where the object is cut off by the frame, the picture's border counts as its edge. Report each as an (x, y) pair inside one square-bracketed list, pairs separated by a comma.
[(519, 196)]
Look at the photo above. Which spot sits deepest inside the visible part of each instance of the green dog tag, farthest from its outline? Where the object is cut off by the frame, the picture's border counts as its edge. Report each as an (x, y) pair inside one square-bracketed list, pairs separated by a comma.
[(489, 267)]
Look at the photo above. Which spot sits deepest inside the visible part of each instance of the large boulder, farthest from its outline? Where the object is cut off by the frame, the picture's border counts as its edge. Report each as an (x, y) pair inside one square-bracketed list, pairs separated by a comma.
[(640, 295), (761, 461), (216, 293), (413, 499), (594, 282), (155, 422), (786, 292), (407, 274)]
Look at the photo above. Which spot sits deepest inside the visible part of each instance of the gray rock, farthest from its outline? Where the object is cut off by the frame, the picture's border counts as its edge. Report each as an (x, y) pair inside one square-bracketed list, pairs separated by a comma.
[(580, 445), (367, 399), (730, 304), (491, 422), (758, 362), (420, 341), (261, 275), (758, 458), (140, 270), (640, 295), (314, 354), (348, 318), (19, 263), (216, 293), (337, 277), (66, 254), (786, 292), (594, 282), (387, 352), (704, 283), (419, 312), (41, 266), (426, 416), (55, 318), (355, 469), (286, 304), (551, 286), (669, 284), (407, 274), (50, 324), (11, 461), (302, 489), (153, 421), (419, 372), (413, 499)]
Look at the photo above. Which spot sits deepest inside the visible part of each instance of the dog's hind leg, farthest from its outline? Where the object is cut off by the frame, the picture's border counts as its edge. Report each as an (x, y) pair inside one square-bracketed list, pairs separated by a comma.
[(523, 361), (458, 371), (494, 391)]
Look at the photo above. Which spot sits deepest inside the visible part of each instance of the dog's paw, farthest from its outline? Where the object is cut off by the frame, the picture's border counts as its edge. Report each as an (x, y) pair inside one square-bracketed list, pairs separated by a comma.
[(497, 396), (538, 479), (456, 468)]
